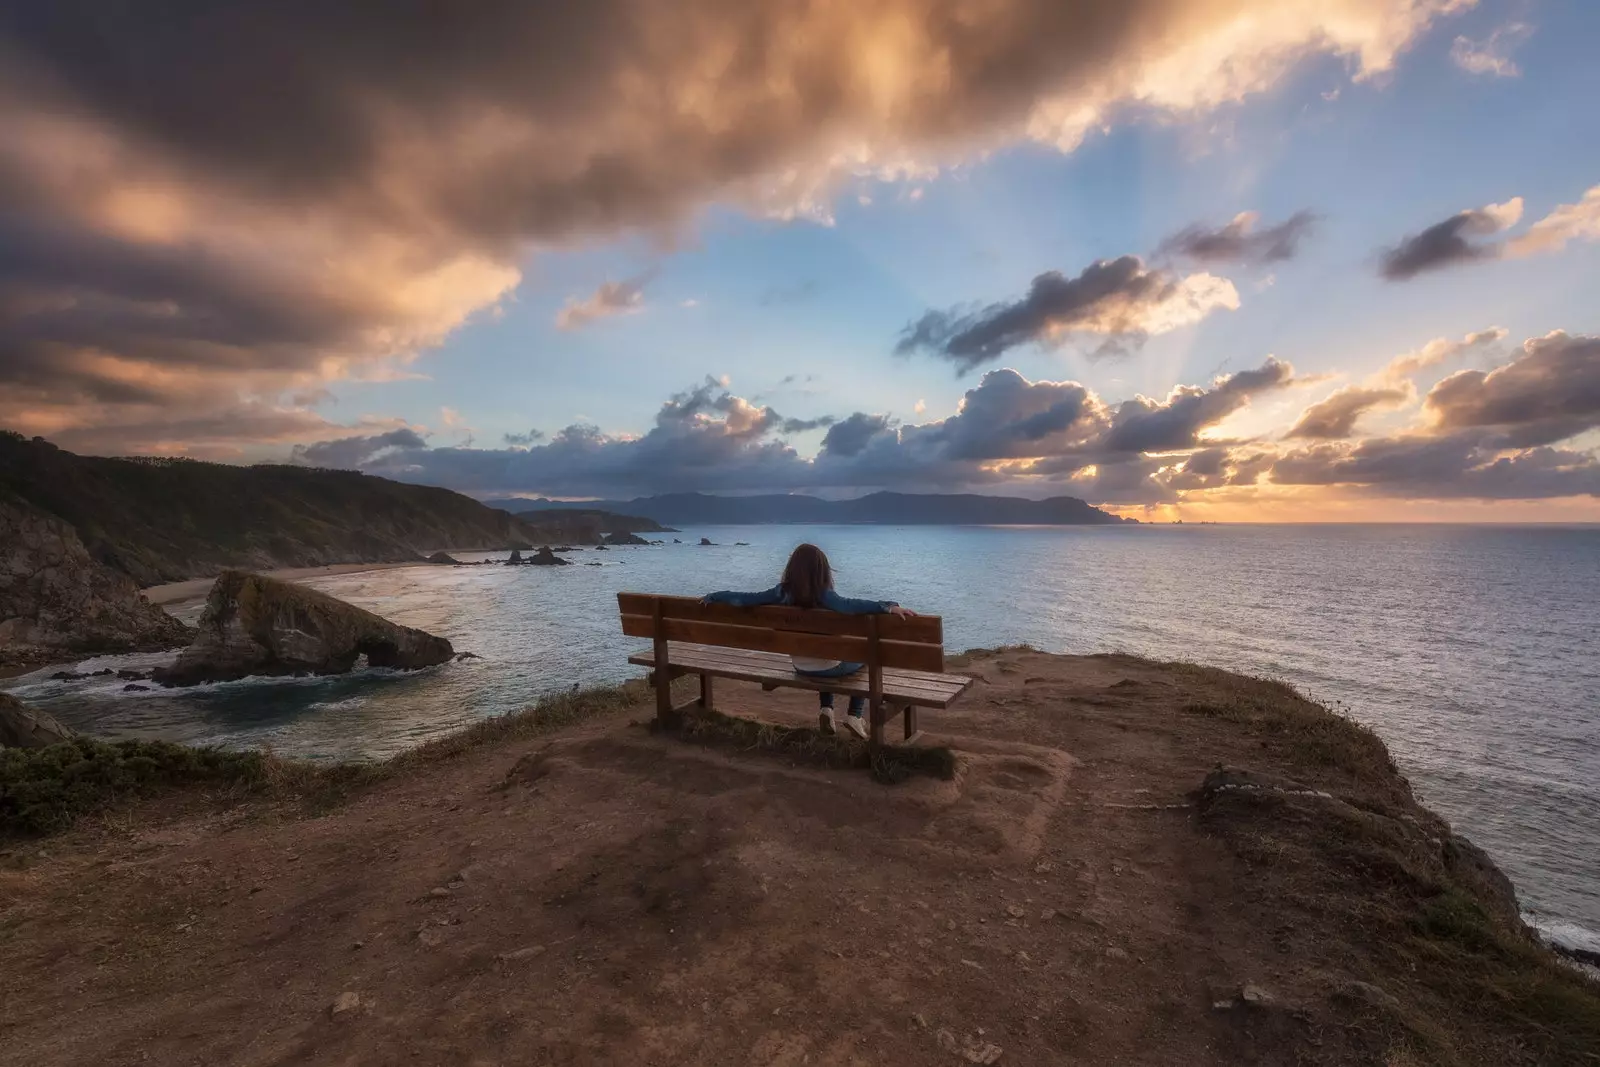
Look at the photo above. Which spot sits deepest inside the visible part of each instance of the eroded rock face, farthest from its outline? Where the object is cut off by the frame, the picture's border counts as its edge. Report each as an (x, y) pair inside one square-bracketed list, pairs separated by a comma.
[(55, 598), (25, 727), (254, 625)]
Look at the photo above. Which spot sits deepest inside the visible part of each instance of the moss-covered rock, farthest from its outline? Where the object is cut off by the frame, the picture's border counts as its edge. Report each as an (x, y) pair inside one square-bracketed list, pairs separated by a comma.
[(255, 625)]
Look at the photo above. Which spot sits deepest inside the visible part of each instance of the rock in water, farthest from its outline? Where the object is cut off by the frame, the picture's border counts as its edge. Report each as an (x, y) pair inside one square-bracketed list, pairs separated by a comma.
[(516, 556), (258, 625), (623, 537), (25, 727), (546, 557), (55, 597)]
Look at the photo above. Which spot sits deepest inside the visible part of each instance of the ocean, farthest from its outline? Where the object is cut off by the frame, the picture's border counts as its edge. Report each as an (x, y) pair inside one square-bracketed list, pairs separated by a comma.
[(1471, 650)]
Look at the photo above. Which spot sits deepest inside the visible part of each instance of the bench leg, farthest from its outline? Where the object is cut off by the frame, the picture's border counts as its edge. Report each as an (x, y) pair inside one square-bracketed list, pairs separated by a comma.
[(705, 691), (876, 730), (911, 722)]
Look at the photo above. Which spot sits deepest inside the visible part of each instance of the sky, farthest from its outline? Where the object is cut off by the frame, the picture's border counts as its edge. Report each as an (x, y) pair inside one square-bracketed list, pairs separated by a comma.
[(1241, 260)]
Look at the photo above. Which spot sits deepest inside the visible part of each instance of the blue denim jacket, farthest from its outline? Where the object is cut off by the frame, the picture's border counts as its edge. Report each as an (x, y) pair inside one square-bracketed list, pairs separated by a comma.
[(831, 601)]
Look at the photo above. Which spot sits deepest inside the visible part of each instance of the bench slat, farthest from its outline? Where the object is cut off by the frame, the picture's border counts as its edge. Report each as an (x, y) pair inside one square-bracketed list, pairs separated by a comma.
[(925, 681), (776, 668), (919, 629), (821, 646)]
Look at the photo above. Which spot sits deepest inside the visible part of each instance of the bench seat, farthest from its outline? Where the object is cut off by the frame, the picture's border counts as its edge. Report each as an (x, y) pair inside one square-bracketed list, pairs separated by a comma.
[(902, 688)]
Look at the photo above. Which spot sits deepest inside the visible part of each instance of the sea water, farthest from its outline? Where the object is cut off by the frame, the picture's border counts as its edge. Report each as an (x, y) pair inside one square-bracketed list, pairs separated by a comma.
[(1471, 650)]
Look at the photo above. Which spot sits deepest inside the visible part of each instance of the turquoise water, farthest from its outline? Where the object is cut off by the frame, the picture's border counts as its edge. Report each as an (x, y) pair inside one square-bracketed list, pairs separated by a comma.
[(1471, 650)]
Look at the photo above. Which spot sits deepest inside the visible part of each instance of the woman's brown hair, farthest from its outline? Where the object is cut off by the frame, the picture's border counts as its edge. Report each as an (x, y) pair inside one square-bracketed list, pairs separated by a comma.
[(807, 576)]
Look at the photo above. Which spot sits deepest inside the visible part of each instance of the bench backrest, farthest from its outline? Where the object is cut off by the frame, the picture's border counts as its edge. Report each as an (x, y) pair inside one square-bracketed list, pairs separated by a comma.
[(915, 643)]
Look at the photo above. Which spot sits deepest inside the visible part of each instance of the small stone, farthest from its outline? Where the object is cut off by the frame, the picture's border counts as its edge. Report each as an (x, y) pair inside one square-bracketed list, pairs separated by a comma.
[(1117, 953), (1256, 997), (920, 1019), (357, 945), (1047, 914), (1377, 996), (455, 885), (461, 876), (345, 1002), (255, 889), (517, 955), (1023, 957), (1016, 911), (438, 892), (982, 1054), (971, 963), (1045, 867), (429, 938), (950, 924), (924, 942)]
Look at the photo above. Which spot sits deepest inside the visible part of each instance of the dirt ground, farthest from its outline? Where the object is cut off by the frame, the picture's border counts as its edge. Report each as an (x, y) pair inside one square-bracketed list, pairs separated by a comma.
[(609, 896)]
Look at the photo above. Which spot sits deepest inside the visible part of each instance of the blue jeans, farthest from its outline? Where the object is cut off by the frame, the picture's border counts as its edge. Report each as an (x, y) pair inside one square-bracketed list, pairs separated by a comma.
[(857, 703)]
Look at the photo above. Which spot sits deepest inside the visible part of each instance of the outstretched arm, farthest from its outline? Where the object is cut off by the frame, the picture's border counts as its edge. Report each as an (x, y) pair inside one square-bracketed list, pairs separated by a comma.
[(745, 600), (851, 606)]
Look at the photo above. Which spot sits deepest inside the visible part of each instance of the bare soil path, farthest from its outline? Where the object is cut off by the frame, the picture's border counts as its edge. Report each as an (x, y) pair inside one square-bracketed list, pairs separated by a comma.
[(608, 896)]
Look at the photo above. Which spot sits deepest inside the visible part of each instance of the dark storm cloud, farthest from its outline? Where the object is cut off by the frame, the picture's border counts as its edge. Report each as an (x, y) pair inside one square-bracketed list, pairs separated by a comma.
[(1117, 298), (1446, 243), (1335, 418), (265, 196), (1240, 242), (350, 453), (849, 436)]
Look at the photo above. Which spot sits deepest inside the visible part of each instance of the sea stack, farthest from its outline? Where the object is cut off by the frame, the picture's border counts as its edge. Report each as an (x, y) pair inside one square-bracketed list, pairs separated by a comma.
[(254, 625)]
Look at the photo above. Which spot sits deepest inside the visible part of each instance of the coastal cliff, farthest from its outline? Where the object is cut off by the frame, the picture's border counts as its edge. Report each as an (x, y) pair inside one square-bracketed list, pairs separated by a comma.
[(1134, 862), (55, 599)]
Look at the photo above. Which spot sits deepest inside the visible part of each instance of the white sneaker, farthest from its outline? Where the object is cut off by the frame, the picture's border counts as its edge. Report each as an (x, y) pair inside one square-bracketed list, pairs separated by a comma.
[(857, 725), (825, 721)]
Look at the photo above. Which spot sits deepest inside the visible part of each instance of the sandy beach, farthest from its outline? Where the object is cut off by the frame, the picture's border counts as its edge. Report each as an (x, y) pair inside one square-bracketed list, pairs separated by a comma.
[(174, 593)]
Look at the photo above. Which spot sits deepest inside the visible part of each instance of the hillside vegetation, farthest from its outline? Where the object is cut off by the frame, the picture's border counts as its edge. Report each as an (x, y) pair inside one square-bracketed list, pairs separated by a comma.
[(161, 520)]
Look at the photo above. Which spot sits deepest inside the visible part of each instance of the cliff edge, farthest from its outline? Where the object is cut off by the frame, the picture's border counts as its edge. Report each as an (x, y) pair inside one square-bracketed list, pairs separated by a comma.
[(1135, 863)]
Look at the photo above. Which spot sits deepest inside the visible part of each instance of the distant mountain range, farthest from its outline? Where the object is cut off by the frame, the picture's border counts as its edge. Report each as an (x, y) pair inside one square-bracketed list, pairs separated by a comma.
[(161, 520), (922, 509)]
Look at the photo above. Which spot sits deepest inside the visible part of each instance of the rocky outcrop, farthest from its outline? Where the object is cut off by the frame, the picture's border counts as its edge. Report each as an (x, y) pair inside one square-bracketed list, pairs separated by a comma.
[(444, 559), (25, 727), (254, 625), (56, 599), (546, 557), (622, 537), (516, 557)]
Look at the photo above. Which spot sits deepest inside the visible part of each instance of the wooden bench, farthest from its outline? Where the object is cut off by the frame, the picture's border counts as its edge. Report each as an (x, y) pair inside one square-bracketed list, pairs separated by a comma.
[(903, 657)]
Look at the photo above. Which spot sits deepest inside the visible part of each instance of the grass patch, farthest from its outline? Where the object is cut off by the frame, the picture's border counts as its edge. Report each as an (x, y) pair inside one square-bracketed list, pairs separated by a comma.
[(43, 790), (890, 764), (46, 790), (1311, 735)]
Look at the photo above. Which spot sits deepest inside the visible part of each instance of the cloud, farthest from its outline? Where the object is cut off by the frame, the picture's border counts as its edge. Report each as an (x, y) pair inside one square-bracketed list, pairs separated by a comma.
[(1446, 243), (1403, 368), (523, 440), (1240, 242), (1145, 425), (1569, 222), (1491, 55), (1335, 417), (1548, 393), (1115, 299), (612, 298), (849, 436), (179, 241), (1455, 466), (350, 453), (1486, 435)]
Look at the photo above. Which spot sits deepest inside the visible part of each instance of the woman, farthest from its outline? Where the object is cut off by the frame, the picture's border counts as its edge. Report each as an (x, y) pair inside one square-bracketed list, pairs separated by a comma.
[(808, 583)]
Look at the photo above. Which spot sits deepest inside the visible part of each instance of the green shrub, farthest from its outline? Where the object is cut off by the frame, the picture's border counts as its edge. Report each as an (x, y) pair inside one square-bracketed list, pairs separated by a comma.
[(46, 789)]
